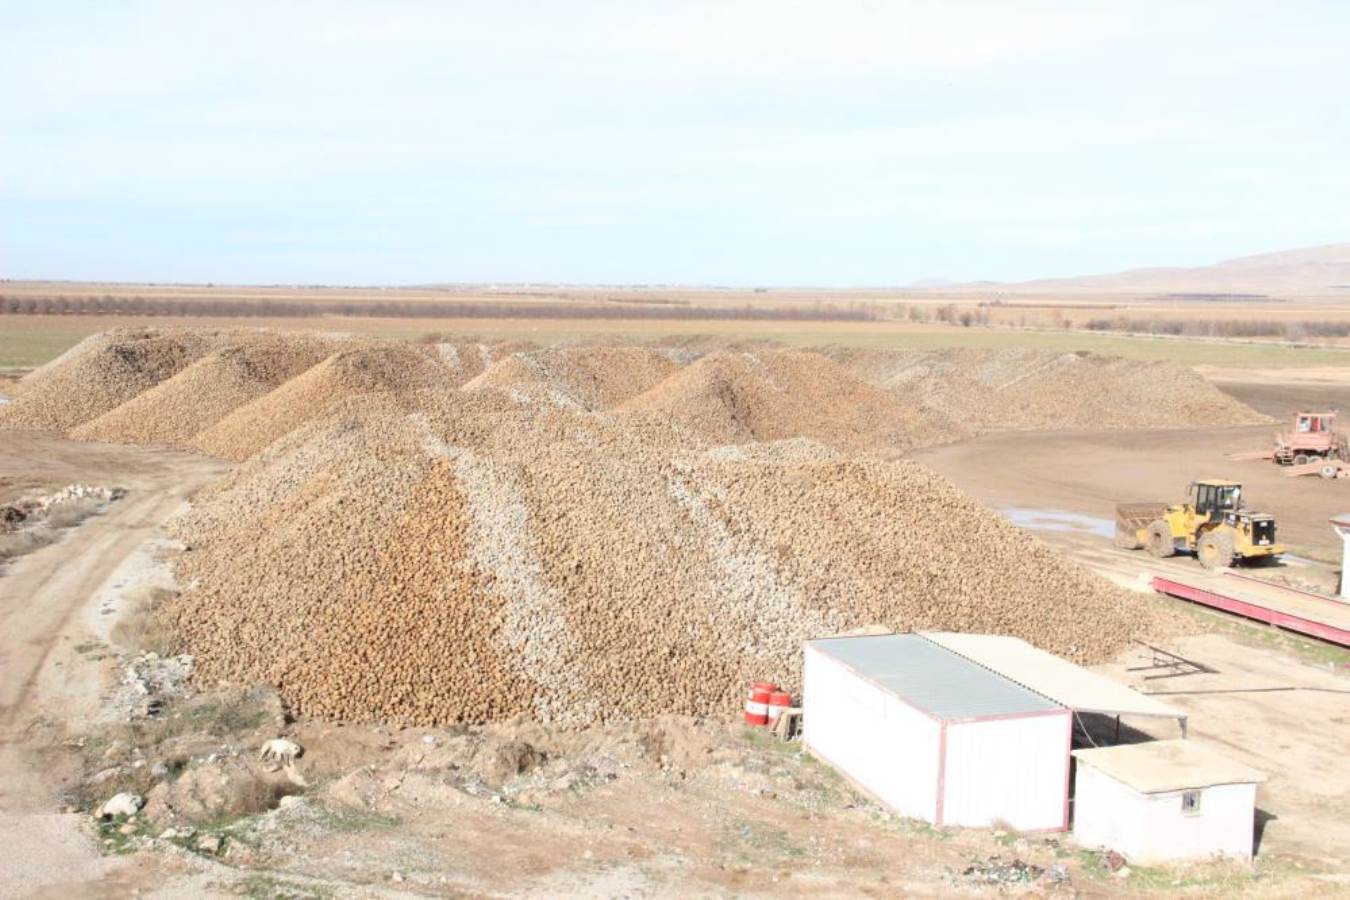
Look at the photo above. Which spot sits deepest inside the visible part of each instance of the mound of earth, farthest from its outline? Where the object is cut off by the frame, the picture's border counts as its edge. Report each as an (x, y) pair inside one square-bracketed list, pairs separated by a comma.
[(581, 377), (175, 410), (732, 398), (480, 558), (982, 390), (464, 532), (396, 369), (99, 374)]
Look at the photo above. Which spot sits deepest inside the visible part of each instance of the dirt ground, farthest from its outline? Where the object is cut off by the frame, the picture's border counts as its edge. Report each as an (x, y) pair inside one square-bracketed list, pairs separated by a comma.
[(49, 608), (660, 808), (1088, 473)]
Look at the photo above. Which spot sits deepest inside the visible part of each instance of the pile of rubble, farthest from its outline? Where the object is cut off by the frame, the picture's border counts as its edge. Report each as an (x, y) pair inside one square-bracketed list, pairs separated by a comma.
[(984, 390), (174, 411), (148, 682), (580, 377), (481, 558), (99, 374), (735, 398), (442, 532), (389, 369)]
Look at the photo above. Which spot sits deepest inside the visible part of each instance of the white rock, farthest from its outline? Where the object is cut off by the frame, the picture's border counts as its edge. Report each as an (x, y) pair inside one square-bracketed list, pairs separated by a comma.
[(124, 804)]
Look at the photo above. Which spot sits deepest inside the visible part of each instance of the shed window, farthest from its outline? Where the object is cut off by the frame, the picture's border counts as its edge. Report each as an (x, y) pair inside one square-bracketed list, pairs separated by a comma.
[(1190, 803)]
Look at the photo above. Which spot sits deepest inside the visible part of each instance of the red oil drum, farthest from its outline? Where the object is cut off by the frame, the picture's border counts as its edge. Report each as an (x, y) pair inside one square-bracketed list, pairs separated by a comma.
[(757, 703)]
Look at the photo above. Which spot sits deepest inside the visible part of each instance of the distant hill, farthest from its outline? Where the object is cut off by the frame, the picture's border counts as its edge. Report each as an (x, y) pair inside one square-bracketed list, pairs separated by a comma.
[(1320, 270)]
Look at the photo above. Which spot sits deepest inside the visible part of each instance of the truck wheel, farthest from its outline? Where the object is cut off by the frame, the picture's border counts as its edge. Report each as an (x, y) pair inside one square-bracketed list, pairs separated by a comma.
[(1301, 459), (1328, 470), (1160, 540), (1215, 550)]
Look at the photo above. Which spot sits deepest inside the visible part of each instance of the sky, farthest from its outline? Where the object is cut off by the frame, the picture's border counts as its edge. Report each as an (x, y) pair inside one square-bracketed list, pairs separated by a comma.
[(840, 143)]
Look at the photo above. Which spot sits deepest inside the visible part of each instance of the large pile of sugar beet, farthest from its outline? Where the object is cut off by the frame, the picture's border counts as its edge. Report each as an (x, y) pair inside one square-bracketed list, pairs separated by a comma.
[(448, 532)]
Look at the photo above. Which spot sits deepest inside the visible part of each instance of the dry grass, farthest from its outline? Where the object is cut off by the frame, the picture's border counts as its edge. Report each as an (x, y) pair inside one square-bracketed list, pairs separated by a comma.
[(73, 512), (137, 630), (48, 529), (18, 543)]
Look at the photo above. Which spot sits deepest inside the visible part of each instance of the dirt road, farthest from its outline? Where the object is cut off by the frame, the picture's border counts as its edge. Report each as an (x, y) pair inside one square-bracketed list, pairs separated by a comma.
[(45, 615), (1090, 472), (1282, 392)]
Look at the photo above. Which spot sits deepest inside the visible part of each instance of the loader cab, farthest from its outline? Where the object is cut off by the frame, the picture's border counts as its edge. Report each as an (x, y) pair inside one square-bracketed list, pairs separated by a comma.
[(1215, 498)]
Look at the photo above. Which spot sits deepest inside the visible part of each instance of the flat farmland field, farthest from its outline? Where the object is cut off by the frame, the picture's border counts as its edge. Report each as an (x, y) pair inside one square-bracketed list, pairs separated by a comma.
[(39, 320), (30, 340)]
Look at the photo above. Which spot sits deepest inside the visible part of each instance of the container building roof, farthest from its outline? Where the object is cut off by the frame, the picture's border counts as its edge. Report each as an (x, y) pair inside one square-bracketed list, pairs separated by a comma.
[(1158, 767), (1050, 676), (932, 678)]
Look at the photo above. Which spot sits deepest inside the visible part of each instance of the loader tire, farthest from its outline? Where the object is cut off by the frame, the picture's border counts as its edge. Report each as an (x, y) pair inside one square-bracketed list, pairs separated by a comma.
[(1128, 538), (1329, 470), (1160, 542), (1215, 550)]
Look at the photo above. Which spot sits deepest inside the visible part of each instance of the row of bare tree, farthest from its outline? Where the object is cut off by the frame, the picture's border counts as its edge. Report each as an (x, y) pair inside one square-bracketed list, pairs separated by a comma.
[(1296, 330), (225, 307)]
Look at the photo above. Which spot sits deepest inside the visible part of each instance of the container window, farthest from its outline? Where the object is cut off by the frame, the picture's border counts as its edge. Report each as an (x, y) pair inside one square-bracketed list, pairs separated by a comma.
[(1190, 803)]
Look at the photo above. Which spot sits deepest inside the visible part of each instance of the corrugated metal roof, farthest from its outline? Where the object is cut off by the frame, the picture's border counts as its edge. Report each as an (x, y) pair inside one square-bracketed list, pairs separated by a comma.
[(1048, 675), (927, 676), (1156, 767)]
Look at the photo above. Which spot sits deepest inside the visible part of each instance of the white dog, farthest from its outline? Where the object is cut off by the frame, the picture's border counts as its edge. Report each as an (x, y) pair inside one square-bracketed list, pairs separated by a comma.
[(281, 751)]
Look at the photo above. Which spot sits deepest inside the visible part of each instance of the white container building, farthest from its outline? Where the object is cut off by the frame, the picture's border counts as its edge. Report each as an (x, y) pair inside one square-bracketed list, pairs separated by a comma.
[(934, 735), (1165, 800)]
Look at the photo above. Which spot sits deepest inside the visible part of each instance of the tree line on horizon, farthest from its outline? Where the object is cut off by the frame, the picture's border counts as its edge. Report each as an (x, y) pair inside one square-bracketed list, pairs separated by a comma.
[(224, 307)]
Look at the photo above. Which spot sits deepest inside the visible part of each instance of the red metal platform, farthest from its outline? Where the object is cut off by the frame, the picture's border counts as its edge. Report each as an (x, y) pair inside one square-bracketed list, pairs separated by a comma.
[(1289, 608)]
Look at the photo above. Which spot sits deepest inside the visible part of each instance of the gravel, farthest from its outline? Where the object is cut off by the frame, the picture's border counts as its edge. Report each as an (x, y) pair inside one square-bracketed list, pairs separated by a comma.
[(175, 410), (731, 398), (983, 390), (99, 374), (440, 533), (391, 369), (483, 558)]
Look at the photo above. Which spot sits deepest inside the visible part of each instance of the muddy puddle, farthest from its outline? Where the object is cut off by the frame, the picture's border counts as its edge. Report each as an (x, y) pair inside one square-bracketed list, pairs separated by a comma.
[(1035, 518)]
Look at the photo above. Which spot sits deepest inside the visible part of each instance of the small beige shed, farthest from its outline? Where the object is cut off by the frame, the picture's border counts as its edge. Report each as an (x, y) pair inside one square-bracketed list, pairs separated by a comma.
[(1165, 800)]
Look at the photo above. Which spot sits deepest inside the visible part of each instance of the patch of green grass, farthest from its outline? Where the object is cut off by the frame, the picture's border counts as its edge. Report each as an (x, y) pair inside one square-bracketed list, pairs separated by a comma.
[(349, 820), (262, 886), (753, 840), (32, 343), (763, 739), (1267, 637), (925, 829), (1218, 877), (111, 840), (232, 715), (93, 650)]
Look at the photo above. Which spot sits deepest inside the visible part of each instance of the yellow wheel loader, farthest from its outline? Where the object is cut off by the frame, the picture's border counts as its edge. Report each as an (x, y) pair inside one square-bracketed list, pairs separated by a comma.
[(1212, 524)]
